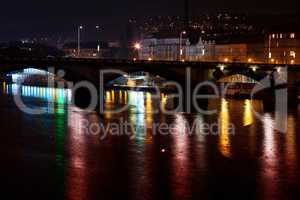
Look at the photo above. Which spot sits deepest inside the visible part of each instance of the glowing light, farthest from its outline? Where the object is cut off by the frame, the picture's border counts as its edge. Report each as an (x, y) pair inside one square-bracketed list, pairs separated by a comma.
[(226, 60), (278, 69), (222, 67), (131, 83), (250, 60), (292, 35), (4, 87), (272, 60), (293, 54), (149, 59), (292, 62), (137, 46), (224, 140), (248, 115), (134, 59), (254, 68), (163, 150)]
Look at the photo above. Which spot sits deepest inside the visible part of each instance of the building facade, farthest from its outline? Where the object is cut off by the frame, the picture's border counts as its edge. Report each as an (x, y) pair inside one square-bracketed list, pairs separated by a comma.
[(173, 49), (283, 48)]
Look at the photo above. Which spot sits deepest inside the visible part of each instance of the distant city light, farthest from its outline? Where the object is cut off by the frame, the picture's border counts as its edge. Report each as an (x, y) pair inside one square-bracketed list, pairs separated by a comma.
[(270, 55), (250, 60), (254, 68), (226, 59), (278, 69), (137, 46), (293, 35), (221, 67), (293, 54)]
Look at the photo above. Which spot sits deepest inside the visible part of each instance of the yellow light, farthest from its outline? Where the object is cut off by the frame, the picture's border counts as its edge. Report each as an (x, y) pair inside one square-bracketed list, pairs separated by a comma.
[(226, 59), (149, 59), (272, 60), (248, 115), (292, 62), (224, 140), (250, 60), (182, 60)]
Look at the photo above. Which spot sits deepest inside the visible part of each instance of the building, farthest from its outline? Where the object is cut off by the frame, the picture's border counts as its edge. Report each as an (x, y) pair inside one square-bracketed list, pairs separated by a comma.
[(240, 52), (172, 49), (283, 47)]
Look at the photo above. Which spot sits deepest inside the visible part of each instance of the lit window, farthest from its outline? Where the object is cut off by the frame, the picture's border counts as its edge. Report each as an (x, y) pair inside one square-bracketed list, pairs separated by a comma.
[(270, 55), (293, 54), (292, 35)]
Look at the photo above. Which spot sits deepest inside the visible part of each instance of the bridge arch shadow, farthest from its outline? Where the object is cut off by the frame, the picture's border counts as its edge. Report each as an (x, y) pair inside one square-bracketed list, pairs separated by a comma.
[(239, 76)]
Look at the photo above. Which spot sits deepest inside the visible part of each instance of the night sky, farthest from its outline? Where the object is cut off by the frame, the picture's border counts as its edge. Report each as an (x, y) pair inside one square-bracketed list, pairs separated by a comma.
[(24, 18)]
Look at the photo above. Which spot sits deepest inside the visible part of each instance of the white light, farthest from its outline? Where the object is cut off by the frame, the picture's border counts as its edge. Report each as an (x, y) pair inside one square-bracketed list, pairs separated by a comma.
[(137, 46), (222, 67), (278, 69), (254, 68)]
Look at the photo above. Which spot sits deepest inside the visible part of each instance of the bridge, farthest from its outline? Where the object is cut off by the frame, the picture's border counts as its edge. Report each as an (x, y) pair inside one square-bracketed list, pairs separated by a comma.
[(88, 69)]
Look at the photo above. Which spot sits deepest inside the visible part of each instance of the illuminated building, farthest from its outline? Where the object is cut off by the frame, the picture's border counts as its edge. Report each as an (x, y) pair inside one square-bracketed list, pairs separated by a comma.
[(283, 47), (169, 49)]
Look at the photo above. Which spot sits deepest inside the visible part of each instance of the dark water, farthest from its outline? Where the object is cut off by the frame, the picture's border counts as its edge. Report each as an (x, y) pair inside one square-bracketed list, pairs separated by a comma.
[(50, 156)]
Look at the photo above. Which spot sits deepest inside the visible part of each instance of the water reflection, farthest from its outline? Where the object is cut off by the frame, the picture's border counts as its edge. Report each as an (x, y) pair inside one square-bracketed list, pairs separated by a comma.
[(291, 154), (181, 158), (60, 96), (270, 160), (248, 115), (90, 168), (224, 140)]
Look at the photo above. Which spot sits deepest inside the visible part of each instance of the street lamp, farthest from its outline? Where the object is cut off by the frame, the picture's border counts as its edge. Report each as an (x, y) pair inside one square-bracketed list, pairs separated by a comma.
[(137, 46), (78, 42), (98, 41), (180, 44)]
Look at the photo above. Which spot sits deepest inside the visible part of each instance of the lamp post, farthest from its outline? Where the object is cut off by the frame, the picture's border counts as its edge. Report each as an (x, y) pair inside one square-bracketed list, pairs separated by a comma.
[(78, 41), (98, 41), (180, 44), (137, 46)]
